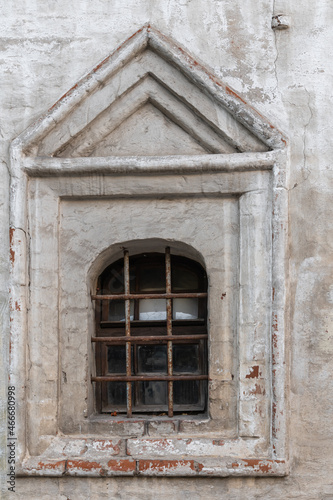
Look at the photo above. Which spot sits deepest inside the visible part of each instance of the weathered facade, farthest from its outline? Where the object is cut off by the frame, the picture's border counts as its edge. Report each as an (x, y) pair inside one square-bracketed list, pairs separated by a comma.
[(200, 127)]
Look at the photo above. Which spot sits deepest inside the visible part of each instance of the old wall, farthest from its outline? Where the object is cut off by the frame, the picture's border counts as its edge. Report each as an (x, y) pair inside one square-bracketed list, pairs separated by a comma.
[(47, 46)]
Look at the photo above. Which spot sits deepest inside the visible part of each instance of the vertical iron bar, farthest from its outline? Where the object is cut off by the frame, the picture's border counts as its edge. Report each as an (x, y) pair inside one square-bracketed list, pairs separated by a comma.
[(128, 334), (169, 328)]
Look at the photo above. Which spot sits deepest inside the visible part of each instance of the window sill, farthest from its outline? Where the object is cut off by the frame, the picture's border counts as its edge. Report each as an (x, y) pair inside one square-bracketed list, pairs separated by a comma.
[(86, 457)]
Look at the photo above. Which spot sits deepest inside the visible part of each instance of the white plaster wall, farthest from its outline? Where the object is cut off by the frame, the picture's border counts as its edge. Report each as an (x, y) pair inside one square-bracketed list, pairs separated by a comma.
[(46, 46)]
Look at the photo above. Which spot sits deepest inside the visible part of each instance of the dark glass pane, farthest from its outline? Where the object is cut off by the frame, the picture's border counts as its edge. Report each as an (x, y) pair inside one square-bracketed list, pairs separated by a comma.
[(117, 393), (154, 393), (183, 279), (186, 358), (152, 278), (117, 310), (116, 359), (114, 281), (186, 392), (152, 359)]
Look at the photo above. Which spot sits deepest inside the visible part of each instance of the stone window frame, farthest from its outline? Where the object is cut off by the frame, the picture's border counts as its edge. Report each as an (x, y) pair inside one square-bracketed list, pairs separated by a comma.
[(202, 456)]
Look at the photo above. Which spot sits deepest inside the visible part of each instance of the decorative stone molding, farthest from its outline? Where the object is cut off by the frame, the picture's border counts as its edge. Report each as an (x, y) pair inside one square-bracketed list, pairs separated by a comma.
[(149, 147)]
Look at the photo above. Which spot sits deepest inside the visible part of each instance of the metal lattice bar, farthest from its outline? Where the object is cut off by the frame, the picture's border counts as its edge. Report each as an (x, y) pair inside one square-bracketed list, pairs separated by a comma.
[(128, 334), (169, 329), (150, 296), (143, 378), (150, 338)]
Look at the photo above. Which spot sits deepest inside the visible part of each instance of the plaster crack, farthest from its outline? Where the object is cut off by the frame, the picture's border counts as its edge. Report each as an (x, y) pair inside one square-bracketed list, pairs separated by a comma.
[(8, 169)]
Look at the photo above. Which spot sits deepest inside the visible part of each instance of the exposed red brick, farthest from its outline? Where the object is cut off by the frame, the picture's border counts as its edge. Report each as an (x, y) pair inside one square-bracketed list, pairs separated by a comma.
[(258, 390), (83, 465), (106, 444), (122, 465), (263, 466), (162, 465), (51, 465), (254, 373)]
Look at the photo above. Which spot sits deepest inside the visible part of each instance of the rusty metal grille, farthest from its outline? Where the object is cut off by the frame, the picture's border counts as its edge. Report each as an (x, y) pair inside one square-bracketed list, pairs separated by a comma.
[(174, 336)]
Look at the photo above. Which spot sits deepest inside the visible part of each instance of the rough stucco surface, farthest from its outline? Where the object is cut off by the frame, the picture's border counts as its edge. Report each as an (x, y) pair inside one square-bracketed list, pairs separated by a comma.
[(47, 46)]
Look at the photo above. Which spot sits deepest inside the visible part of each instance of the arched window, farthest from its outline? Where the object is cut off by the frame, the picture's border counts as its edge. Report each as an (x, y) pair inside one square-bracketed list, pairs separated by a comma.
[(151, 335)]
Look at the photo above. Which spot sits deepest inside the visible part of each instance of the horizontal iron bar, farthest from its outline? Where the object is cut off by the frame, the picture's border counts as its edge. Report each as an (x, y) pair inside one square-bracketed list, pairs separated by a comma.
[(152, 338), (143, 378), (149, 296)]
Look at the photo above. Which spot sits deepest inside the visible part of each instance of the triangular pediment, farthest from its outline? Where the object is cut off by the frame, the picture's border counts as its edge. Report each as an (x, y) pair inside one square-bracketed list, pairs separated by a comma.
[(148, 132), (149, 98)]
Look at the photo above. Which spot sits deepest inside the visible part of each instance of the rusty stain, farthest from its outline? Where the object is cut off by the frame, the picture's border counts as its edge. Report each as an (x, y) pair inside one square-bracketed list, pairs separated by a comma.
[(254, 373), (231, 92), (273, 295), (274, 429), (17, 306), (124, 465), (11, 243), (223, 295), (218, 442)]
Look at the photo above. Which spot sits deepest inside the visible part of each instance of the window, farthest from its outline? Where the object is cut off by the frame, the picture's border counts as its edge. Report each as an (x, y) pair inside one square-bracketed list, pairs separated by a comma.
[(151, 336)]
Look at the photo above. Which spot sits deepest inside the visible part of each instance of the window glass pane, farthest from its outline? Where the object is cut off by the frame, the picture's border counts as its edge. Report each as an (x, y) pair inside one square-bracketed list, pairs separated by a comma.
[(185, 358), (153, 393), (186, 392), (116, 393), (113, 279), (117, 358), (117, 310), (183, 279), (114, 282), (152, 278), (152, 358), (185, 308), (152, 309)]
